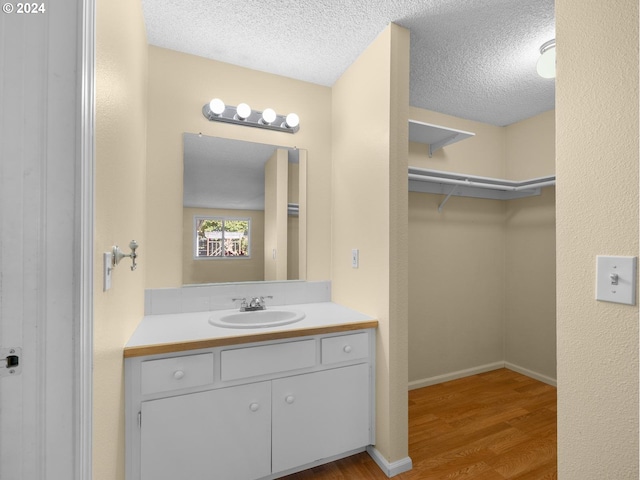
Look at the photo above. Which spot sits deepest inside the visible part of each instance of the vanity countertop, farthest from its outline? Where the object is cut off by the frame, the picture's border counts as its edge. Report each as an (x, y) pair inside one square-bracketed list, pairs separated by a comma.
[(157, 334)]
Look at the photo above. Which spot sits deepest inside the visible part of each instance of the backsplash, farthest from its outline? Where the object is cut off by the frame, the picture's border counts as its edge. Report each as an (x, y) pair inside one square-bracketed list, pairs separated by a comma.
[(200, 298)]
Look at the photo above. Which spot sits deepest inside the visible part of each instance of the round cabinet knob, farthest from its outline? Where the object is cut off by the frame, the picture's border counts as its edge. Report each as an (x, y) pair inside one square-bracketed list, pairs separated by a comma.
[(347, 349), (289, 399), (178, 374), (254, 407)]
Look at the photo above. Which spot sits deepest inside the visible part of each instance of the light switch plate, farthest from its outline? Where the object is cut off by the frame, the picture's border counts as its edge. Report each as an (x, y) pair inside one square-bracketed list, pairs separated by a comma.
[(616, 279), (355, 258)]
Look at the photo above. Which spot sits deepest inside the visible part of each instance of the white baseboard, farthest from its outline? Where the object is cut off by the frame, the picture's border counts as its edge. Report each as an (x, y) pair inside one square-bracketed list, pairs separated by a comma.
[(391, 469), (531, 373), (425, 382)]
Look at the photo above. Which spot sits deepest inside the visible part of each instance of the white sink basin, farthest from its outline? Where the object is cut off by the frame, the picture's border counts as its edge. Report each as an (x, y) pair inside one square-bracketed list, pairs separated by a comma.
[(257, 319)]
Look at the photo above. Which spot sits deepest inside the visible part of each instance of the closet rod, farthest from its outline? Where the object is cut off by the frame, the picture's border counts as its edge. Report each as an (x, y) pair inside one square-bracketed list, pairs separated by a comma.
[(488, 186)]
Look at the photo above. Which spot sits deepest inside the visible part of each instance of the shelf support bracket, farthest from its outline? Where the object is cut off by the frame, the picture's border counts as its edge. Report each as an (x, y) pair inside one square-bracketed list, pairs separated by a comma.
[(446, 199), (435, 146)]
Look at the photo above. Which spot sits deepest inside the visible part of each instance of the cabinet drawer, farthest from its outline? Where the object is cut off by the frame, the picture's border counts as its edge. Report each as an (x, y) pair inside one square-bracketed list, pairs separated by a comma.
[(176, 372), (345, 348), (266, 359)]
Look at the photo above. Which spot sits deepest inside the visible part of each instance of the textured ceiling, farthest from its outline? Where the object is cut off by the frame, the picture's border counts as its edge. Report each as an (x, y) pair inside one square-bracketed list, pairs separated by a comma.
[(474, 59)]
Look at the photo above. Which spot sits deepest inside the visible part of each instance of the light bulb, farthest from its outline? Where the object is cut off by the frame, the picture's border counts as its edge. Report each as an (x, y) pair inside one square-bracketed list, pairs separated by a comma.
[(292, 121), (546, 65), (269, 116), (217, 106), (243, 110)]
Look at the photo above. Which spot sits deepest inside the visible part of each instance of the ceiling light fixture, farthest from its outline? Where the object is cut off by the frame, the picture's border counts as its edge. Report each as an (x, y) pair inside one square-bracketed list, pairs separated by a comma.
[(546, 66), (217, 111)]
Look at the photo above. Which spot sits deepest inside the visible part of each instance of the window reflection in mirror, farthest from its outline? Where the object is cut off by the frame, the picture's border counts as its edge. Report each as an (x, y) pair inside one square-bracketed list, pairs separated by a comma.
[(217, 237)]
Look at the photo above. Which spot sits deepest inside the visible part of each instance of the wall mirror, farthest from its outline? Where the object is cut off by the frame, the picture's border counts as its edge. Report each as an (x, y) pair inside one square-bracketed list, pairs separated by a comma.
[(244, 211)]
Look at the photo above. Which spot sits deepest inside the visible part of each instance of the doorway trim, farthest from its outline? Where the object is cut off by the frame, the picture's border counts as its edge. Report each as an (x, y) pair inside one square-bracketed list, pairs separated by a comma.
[(85, 238)]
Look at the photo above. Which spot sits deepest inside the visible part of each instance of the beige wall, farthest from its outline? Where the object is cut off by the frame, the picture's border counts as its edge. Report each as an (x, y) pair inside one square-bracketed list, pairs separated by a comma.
[(530, 285), (482, 272), (179, 85), (456, 285), (369, 204), (293, 252), (223, 269), (530, 262), (597, 213), (530, 147), (293, 225), (276, 193), (121, 106)]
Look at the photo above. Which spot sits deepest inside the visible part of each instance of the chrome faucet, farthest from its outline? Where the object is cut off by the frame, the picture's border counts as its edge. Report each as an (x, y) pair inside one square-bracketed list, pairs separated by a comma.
[(256, 303), (243, 304)]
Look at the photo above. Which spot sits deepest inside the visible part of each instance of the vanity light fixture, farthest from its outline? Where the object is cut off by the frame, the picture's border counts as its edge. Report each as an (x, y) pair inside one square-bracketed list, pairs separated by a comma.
[(217, 106), (217, 111), (546, 66), (243, 111), (268, 116), (291, 121)]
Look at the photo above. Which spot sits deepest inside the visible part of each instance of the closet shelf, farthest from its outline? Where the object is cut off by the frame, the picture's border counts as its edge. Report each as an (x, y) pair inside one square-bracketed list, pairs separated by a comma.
[(461, 185), (435, 136)]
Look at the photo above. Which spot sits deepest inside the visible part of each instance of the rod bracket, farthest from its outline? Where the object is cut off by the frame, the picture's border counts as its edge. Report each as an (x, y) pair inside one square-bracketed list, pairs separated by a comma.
[(446, 199)]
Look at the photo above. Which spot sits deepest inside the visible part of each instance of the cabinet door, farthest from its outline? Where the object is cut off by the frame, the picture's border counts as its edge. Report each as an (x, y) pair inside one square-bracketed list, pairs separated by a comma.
[(319, 415), (221, 434)]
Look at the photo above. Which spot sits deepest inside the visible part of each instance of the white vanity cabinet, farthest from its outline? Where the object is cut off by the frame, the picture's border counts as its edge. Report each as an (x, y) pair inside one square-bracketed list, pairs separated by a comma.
[(190, 436), (250, 411), (319, 415)]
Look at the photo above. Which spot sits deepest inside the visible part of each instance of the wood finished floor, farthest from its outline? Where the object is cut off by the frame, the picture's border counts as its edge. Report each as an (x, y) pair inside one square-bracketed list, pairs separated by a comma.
[(493, 426)]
